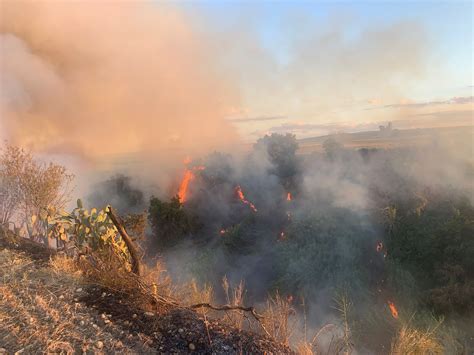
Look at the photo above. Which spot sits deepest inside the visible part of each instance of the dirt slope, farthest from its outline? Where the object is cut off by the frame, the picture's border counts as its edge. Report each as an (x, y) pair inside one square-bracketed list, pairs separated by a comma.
[(45, 309)]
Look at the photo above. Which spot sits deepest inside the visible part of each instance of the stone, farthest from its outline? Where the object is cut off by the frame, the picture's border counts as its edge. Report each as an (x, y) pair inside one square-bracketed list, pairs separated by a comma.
[(192, 347)]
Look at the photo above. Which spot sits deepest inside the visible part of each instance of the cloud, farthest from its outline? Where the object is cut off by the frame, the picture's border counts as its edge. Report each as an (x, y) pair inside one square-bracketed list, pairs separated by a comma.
[(451, 101), (256, 119)]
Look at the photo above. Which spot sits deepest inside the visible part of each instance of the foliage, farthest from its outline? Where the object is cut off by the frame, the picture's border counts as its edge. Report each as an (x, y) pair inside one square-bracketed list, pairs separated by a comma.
[(331, 248), (435, 245), (84, 229), (281, 150), (169, 221)]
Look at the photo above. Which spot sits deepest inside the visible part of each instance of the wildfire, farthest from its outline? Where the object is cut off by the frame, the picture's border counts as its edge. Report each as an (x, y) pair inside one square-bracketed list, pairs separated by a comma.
[(241, 196), (282, 236), (222, 232), (183, 187), (393, 309), (379, 247), (187, 178), (288, 196)]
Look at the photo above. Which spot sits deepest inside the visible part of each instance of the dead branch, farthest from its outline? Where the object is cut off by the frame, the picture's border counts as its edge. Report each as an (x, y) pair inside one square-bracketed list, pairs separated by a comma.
[(132, 248), (251, 310)]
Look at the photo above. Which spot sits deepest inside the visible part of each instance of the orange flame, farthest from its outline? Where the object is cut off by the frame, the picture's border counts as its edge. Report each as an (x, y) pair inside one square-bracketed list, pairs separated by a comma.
[(187, 178), (241, 196), (393, 309), (288, 196), (183, 187), (379, 247)]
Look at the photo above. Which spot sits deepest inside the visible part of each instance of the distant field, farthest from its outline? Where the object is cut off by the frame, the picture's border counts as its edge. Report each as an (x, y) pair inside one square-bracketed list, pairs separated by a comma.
[(389, 140)]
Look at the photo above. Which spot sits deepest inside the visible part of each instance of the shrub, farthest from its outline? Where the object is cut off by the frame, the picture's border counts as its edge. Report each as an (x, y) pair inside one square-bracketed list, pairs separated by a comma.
[(28, 185), (170, 222)]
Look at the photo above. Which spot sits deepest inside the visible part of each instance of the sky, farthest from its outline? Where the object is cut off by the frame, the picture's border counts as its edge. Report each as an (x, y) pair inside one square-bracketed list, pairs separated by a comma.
[(433, 39), (155, 76)]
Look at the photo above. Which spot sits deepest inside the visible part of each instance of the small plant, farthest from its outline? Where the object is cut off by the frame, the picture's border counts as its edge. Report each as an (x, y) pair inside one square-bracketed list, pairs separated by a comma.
[(85, 230)]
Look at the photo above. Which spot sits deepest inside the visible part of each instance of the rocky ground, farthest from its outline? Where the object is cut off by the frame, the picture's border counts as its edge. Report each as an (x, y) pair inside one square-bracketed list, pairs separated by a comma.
[(45, 308)]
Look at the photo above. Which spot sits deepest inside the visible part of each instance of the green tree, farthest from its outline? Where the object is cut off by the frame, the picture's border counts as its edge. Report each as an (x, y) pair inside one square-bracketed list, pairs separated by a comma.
[(170, 222)]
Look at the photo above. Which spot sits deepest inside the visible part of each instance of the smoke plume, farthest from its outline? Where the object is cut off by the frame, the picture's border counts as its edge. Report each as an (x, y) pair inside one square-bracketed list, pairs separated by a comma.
[(115, 78)]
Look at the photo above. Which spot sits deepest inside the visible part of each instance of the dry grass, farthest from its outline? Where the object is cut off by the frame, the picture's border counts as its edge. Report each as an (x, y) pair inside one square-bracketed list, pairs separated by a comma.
[(38, 312), (192, 293), (410, 340), (151, 291), (276, 318), (235, 298), (62, 264)]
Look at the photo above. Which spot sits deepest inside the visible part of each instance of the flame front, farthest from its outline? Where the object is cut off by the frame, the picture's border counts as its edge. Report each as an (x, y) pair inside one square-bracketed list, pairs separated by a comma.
[(241, 196), (288, 196), (393, 309), (183, 187)]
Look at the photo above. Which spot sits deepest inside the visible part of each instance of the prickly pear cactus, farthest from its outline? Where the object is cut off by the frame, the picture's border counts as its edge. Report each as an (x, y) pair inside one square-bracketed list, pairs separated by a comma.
[(86, 229)]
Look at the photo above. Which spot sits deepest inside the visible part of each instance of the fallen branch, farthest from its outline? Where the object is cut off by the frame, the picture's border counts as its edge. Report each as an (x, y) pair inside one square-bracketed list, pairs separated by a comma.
[(251, 310), (134, 253)]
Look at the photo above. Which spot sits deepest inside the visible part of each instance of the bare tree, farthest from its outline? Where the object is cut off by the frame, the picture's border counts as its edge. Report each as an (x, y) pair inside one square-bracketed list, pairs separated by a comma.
[(28, 185)]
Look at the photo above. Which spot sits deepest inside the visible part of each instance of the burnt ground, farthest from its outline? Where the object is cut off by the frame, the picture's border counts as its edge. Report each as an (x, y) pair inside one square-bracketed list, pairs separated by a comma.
[(46, 309)]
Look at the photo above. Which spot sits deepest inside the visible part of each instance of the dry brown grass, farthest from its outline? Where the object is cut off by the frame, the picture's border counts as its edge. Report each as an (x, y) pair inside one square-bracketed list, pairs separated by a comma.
[(62, 264), (279, 318), (234, 298), (192, 293), (410, 340), (151, 291)]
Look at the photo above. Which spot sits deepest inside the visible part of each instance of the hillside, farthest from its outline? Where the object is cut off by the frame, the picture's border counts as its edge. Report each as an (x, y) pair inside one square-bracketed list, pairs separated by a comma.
[(47, 307), (393, 139)]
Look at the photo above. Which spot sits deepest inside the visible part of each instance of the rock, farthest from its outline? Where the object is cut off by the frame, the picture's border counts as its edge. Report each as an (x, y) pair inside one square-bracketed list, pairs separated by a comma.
[(180, 330), (3, 351), (61, 297), (192, 347), (99, 345), (103, 294), (82, 322), (134, 315), (19, 352), (119, 345), (149, 314), (79, 289), (103, 316), (106, 321)]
